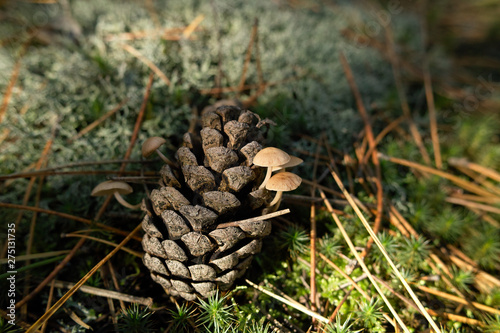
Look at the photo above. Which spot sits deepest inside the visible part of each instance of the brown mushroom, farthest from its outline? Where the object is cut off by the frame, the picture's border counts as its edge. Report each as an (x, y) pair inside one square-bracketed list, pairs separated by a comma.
[(294, 161), (116, 188), (282, 182), (151, 145), (270, 157)]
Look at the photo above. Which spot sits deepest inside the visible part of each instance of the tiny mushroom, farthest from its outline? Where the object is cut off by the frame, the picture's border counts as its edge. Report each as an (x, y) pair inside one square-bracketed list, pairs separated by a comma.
[(294, 161), (151, 145), (282, 182), (270, 157), (116, 188)]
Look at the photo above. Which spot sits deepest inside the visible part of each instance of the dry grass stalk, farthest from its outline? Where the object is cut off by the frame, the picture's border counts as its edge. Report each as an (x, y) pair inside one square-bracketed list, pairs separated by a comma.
[(432, 115), (361, 263), (384, 252), (470, 204)]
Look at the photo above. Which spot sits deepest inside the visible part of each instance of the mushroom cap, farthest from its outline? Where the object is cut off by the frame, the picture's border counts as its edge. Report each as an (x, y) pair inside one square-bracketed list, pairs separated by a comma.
[(294, 161), (110, 187), (283, 181), (150, 145), (270, 156)]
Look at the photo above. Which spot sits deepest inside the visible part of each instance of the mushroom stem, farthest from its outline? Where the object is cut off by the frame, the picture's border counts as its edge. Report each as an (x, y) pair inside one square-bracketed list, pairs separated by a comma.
[(268, 175), (165, 159), (277, 198), (122, 201)]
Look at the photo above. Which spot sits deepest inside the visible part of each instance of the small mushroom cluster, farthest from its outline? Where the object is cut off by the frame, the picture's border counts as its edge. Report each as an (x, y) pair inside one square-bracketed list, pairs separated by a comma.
[(275, 159)]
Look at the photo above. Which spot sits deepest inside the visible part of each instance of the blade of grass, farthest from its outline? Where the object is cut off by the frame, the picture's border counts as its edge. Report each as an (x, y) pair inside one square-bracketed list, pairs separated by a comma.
[(80, 283), (361, 262), (384, 252)]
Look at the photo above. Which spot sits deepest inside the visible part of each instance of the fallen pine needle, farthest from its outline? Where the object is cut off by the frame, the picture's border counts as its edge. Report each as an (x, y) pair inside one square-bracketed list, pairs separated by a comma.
[(361, 262), (80, 283), (384, 252), (295, 305), (147, 301)]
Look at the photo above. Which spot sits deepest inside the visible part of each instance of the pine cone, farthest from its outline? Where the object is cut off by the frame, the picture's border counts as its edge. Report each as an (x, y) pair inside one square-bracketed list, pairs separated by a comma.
[(215, 182)]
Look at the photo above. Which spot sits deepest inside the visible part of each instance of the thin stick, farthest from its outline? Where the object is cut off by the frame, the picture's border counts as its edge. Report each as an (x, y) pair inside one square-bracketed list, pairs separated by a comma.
[(254, 219), (457, 180), (133, 51), (338, 307), (105, 293), (295, 305), (67, 216), (126, 249), (96, 123), (384, 252), (361, 262), (80, 283)]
